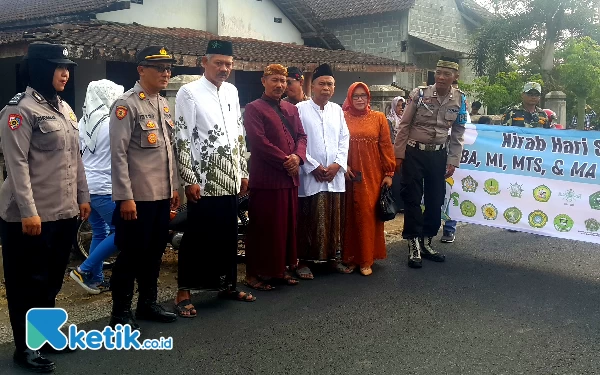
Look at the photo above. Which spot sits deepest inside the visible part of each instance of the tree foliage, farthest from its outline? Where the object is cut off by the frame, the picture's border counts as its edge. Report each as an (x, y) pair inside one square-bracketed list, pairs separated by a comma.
[(547, 23), (579, 71), (500, 93)]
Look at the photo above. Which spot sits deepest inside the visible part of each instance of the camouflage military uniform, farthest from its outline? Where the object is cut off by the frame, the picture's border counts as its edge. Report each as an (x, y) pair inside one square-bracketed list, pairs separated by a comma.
[(518, 116)]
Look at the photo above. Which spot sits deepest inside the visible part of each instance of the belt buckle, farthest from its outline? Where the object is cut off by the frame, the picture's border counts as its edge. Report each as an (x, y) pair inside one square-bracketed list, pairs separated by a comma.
[(429, 147)]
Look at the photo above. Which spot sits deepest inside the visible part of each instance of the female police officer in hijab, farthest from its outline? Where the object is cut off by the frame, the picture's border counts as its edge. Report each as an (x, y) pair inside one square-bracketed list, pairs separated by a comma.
[(44, 192)]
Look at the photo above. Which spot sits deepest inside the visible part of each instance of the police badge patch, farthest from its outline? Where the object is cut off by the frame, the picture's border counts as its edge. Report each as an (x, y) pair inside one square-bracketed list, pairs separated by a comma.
[(15, 121), (142, 95), (73, 117), (121, 112), (166, 109), (150, 124)]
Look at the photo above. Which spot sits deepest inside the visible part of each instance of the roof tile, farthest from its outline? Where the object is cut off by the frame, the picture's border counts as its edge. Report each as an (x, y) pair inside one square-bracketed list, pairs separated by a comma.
[(337, 9), (119, 42), (20, 10)]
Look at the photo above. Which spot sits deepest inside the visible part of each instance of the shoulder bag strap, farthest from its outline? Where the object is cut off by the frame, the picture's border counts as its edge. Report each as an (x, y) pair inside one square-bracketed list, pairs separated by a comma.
[(283, 119)]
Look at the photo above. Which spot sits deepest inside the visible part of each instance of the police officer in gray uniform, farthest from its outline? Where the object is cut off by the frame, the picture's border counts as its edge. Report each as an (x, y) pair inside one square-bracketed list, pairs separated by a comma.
[(44, 192), (427, 157), (144, 182)]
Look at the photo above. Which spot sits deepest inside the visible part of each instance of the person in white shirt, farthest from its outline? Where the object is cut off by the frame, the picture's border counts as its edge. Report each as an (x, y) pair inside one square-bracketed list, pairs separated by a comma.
[(95, 145), (322, 183), (210, 148)]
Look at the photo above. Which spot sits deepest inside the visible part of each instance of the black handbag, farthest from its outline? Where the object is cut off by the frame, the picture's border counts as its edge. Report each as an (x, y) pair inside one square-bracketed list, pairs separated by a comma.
[(387, 205)]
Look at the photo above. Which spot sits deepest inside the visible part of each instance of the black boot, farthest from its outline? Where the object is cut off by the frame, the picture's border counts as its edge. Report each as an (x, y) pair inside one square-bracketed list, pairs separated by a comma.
[(149, 309), (428, 252), (414, 254), (121, 312), (33, 361), (48, 349)]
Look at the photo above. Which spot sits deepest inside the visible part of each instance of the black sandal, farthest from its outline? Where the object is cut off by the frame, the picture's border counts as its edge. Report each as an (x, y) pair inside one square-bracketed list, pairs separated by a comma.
[(236, 295), (181, 309)]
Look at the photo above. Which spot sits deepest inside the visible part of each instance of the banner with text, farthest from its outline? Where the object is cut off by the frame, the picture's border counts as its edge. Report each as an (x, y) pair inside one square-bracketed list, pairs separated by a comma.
[(541, 181)]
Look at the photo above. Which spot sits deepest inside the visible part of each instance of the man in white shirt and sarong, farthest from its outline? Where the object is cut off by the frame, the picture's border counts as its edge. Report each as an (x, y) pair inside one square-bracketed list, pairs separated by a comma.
[(210, 147), (322, 184)]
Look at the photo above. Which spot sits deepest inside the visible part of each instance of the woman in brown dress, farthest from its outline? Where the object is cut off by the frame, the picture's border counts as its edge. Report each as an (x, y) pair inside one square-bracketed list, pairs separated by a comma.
[(371, 165)]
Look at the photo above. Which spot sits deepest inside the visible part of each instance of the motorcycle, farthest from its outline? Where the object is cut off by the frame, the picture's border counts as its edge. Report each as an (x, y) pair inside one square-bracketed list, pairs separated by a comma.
[(177, 226)]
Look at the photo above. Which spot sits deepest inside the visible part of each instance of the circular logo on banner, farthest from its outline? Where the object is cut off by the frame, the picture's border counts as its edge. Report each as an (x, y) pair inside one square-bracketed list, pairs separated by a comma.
[(468, 208), (469, 184), (513, 215), (491, 186), (542, 193), (538, 219), (595, 201), (563, 223), (592, 225), (490, 212)]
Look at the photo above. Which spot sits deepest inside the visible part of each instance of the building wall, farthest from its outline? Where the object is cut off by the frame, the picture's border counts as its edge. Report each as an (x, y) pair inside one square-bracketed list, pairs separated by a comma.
[(380, 35), (86, 72), (159, 13), (255, 19)]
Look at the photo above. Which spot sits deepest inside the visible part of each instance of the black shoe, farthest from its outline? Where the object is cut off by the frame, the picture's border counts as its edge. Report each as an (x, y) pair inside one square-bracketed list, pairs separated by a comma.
[(32, 360), (447, 237), (428, 252), (123, 319), (154, 312), (48, 349), (414, 254)]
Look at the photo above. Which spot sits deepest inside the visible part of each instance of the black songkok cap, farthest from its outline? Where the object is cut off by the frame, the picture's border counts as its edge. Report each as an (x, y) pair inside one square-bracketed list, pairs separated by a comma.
[(322, 70), (55, 53), (295, 73), (220, 47), (154, 53)]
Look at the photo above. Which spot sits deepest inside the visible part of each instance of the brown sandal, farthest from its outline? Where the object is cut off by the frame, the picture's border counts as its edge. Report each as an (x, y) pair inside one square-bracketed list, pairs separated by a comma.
[(259, 285)]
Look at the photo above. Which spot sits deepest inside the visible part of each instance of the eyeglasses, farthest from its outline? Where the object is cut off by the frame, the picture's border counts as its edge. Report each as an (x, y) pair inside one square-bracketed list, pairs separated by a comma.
[(159, 68), (360, 96)]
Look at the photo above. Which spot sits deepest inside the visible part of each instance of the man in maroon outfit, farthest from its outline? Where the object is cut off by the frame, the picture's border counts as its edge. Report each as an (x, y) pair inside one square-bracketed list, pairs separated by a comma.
[(278, 148)]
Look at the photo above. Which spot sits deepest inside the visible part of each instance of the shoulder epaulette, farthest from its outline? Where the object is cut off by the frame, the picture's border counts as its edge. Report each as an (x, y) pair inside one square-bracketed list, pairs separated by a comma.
[(16, 99)]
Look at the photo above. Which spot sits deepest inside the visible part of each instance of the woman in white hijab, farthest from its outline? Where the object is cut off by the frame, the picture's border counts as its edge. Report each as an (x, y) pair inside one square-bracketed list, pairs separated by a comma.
[(95, 145), (395, 115)]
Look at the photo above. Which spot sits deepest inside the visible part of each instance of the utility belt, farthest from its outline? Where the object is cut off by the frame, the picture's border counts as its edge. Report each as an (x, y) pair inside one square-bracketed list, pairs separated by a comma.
[(424, 146)]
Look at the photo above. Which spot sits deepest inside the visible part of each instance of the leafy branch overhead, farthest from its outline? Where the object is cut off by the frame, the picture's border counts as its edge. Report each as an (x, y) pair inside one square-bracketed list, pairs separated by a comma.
[(546, 23)]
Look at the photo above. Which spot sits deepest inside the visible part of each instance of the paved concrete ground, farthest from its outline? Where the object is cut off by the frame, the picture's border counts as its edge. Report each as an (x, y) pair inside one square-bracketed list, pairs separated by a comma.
[(503, 303)]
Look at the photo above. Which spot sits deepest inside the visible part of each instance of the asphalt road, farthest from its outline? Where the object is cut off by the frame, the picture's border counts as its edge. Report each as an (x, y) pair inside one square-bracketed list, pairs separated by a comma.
[(503, 303)]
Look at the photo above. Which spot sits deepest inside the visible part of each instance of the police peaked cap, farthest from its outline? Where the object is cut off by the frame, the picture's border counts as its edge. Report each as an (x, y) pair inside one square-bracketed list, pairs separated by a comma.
[(55, 53), (154, 53)]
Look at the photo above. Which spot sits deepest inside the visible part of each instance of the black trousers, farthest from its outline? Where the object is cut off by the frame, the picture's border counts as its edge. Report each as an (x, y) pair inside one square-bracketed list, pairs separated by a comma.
[(423, 177), (34, 268), (141, 245), (208, 252)]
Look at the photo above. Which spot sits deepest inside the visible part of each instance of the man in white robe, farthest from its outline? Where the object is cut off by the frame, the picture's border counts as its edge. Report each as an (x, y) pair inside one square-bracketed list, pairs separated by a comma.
[(210, 148), (322, 184)]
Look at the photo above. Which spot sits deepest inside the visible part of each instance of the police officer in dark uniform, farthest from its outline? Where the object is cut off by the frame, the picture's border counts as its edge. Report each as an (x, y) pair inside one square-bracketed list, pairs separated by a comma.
[(144, 181), (528, 114), (44, 192), (428, 157)]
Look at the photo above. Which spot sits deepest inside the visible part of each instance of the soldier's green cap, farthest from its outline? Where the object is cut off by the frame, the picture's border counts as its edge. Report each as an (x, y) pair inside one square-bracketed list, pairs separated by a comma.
[(532, 86)]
